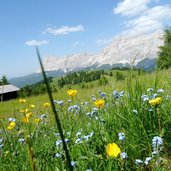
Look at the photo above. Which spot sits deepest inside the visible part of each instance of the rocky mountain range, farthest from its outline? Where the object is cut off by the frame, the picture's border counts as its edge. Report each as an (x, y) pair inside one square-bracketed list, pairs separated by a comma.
[(140, 51)]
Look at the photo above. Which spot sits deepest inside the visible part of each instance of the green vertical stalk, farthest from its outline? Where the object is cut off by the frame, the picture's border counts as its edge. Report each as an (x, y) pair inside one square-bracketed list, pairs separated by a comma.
[(55, 112)]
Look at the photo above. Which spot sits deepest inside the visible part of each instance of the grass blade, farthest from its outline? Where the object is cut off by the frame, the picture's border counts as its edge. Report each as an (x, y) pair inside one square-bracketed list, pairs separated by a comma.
[(55, 112)]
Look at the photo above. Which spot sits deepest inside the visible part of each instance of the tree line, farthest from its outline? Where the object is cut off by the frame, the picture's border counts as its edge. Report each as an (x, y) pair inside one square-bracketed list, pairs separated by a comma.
[(80, 77), (35, 89)]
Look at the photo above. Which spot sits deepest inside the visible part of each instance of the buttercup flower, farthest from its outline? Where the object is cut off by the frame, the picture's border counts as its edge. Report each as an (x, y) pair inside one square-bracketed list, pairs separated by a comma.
[(113, 150), (155, 101), (32, 106), (37, 120), (72, 92), (22, 100), (46, 105), (99, 103), (29, 115), (25, 120), (11, 125), (24, 110)]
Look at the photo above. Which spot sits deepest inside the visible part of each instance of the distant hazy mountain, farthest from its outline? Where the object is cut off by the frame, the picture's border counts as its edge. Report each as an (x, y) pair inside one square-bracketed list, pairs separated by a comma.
[(33, 78), (140, 51)]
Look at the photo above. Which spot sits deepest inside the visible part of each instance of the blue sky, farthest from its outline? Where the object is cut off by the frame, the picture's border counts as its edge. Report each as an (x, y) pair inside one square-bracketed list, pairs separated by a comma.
[(66, 27)]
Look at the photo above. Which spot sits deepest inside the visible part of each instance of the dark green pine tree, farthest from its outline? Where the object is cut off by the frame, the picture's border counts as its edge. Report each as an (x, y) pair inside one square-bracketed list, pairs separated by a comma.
[(164, 59), (4, 80)]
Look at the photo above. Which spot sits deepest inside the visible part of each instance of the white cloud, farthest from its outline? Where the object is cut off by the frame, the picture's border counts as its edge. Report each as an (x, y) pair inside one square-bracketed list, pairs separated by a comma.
[(131, 7), (160, 13), (142, 19), (36, 42), (152, 19), (103, 41), (64, 30)]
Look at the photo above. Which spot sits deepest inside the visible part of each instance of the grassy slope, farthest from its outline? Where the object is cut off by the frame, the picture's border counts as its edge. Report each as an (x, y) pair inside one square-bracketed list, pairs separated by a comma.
[(139, 129), (160, 79)]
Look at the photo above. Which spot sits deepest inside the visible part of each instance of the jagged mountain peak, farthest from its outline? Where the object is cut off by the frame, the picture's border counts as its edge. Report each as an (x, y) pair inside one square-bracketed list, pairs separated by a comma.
[(122, 50)]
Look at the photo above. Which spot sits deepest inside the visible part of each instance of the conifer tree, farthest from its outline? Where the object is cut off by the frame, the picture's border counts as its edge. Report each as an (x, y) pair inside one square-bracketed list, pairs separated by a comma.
[(164, 59)]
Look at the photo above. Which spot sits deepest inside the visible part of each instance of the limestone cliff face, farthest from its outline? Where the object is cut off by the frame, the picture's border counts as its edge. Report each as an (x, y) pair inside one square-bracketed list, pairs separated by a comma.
[(122, 50)]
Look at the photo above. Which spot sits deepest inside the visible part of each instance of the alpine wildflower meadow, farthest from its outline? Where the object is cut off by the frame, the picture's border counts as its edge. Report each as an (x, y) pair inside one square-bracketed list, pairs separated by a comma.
[(109, 129)]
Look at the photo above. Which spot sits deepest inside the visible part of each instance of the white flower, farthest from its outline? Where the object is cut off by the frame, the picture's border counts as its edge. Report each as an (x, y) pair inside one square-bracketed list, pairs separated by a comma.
[(58, 142), (123, 155), (11, 119), (156, 141), (78, 134), (121, 136), (78, 140), (57, 155), (135, 111), (160, 90), (150, 89), (73, 163), (66, 140), (1, 139), (145, 98), (21, 140), (147, 160), (138, 161)]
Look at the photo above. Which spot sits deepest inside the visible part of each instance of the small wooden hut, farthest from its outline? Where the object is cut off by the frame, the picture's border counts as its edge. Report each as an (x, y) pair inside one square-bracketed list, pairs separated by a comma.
[(8, 92)]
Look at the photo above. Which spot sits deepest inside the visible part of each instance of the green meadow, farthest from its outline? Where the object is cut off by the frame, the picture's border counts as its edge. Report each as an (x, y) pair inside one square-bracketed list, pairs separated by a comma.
[(122, 125)]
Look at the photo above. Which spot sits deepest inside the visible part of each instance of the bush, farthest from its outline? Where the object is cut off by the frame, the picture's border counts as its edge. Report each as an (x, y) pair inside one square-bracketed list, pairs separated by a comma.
[(119, 76)]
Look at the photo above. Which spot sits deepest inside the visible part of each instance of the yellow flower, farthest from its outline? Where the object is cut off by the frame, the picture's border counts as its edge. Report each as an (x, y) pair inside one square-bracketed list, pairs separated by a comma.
[(99, 103), (113, 150), (37, 120), (72, 92), (46, 105), (24, 110), (29, 115), (11, 125), (155, 101), (25, 120), (22, 100), (6, 153), (32, 106)]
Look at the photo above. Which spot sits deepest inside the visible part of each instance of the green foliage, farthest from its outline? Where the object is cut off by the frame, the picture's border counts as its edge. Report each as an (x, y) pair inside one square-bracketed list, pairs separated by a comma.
[(111, 74), (124, 113), (79, 77), (35, 89), (103, 81), (164, 59), (4, 80), (119, 76)]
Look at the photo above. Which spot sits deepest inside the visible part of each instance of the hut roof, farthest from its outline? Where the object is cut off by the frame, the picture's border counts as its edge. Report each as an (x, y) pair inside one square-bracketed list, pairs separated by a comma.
[(8, 88)]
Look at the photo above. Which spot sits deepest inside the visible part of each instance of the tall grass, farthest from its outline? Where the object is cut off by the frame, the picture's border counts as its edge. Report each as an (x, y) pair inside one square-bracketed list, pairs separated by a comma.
[(88, 129)]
